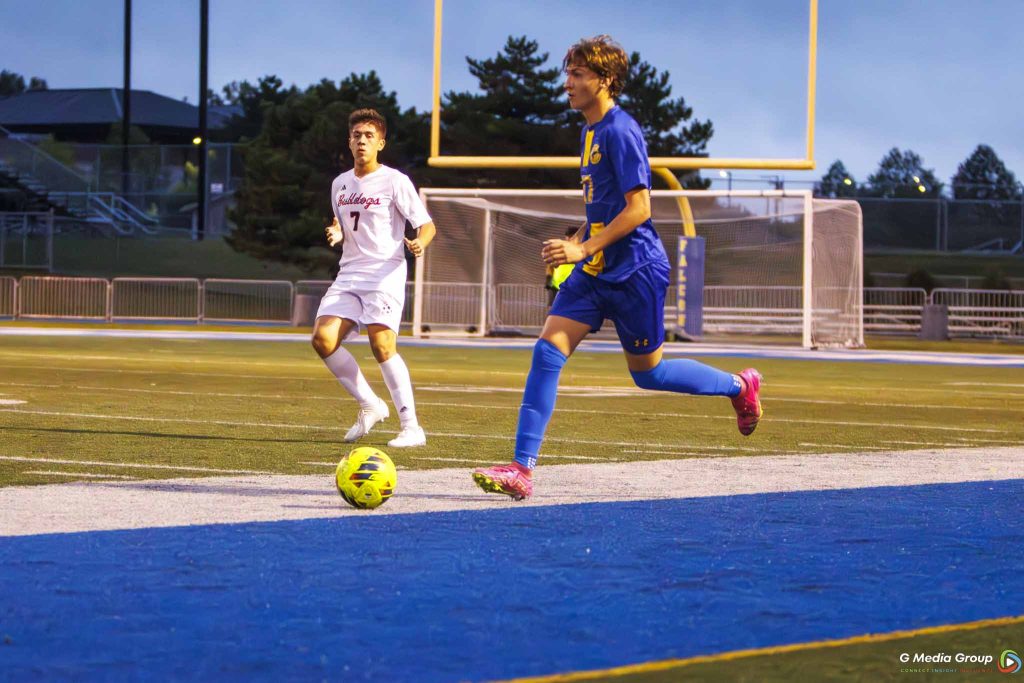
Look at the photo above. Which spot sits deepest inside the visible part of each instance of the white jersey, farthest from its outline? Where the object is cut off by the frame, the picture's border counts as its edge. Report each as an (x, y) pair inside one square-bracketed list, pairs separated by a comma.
[(372, 211)]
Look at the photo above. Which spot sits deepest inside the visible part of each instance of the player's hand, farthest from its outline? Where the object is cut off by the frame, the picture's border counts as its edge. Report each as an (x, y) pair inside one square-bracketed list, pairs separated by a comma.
[(334, 234), (557, 252), (415, 246)]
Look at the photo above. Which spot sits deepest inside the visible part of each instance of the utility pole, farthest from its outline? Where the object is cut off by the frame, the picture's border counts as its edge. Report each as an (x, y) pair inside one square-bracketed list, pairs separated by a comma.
[(126, 100), (204, 45)]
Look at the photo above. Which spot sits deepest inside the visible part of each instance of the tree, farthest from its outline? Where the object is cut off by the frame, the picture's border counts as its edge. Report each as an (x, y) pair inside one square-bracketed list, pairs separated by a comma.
[(518, 111), (14, 84), (11, 83), (983, 175), (902, 174), (647, 97), (283, 203), (838, 182), (253, 100), (521, 111)]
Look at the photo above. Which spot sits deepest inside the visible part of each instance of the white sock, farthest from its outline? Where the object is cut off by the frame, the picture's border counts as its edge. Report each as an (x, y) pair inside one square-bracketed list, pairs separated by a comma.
[(346, 369), (396, 376)]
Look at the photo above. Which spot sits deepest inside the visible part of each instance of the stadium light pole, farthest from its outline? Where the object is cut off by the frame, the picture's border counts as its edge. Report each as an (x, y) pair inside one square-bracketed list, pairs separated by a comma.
[(126, 100), (204, 45)]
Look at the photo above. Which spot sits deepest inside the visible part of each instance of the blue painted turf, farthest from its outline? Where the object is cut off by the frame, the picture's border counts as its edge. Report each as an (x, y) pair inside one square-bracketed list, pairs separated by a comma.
[(510, 592)]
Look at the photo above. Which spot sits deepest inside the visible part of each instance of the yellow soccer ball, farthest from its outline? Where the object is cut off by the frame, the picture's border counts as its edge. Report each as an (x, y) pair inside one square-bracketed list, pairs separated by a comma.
[(366, 477)]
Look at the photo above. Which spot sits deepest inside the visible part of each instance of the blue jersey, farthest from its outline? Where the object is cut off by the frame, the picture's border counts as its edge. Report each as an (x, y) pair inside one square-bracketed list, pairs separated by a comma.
[(613, 161)]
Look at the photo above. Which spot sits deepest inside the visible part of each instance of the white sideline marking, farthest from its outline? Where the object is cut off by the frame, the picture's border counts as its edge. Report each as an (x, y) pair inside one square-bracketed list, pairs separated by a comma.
[(810, 387), (92, 506), (337, 396), (84, 475), (500, 437), (470, 461), (984, 384), (11, 402), (836, 445), (1004, 442), (927, 443), (134, 465)]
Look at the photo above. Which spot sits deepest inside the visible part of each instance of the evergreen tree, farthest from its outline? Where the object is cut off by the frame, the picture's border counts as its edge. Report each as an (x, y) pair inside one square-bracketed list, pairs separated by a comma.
[(647, 98), (983, 175), (902, 174), (838, 182)]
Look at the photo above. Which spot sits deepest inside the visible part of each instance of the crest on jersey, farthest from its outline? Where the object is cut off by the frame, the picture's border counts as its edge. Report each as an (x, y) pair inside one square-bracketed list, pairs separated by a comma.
[(595, 154)]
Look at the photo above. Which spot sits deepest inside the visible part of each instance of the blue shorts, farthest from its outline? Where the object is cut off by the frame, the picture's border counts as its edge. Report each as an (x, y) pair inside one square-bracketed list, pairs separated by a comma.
[(636, 305)]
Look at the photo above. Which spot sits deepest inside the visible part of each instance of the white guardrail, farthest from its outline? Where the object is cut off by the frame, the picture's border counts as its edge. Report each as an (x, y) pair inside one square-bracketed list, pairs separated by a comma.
[(766, 310)]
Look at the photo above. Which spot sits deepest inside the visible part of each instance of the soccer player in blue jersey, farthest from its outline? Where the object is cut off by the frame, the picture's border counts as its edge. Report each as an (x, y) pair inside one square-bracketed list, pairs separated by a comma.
[(622, 272)]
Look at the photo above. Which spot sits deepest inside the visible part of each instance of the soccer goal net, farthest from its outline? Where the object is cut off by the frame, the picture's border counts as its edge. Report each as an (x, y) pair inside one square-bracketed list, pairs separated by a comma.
[(778, 263)]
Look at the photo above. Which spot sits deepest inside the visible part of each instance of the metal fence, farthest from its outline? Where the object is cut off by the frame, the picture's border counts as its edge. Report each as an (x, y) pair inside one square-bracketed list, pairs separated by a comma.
[(146, 298), (983, 312), (84, 298), (893, 310), (8, 297), (248, 301), (727, 310)]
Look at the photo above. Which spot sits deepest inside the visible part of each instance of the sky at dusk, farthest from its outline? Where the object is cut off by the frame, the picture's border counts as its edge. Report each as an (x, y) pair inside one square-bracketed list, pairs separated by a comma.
[(937, 76)]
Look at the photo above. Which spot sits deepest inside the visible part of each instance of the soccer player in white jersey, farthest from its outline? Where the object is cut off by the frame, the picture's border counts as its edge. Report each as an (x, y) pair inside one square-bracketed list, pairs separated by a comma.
[(371, 204)]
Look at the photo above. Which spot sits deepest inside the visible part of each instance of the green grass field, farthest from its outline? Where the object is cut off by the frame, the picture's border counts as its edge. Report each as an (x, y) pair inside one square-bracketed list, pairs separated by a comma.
[(160, 409), (272, 406)]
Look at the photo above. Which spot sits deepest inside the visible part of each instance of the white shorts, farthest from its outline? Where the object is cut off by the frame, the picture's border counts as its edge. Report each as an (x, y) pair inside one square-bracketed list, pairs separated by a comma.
[(365, 306)]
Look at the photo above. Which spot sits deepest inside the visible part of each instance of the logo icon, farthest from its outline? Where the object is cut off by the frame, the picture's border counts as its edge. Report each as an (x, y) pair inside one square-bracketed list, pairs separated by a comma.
[(595, 154), (1009, 662)]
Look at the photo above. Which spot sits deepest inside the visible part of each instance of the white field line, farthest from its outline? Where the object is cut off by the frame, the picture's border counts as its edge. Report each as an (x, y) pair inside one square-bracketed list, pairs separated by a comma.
[(322, 397), (468, 460), (984, 384), (416, 371), (133, 465), (812, 388), (944, 444), (845, 446), (11, 402), (568, 391), (1003, 442), (84, 475), (458, 435)]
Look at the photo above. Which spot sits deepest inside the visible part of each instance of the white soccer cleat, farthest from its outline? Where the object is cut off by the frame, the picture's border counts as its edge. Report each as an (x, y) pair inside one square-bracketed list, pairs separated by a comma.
[(366, 419), (410, 437)]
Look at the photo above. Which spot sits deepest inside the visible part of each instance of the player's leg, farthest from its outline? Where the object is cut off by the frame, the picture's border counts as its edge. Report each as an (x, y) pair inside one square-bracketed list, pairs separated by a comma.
[(384, 344), (576, 313), (641, 331), (334, 323)]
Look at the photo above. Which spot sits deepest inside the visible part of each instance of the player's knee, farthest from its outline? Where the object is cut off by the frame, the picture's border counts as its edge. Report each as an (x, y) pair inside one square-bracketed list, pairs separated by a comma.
[(383, 349), (323, 343), (652, 379)]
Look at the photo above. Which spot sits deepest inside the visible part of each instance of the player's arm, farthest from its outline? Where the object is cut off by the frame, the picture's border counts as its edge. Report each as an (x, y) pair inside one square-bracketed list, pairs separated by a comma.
[(334, 234), (411, 207), (424, 237), (637, 210)]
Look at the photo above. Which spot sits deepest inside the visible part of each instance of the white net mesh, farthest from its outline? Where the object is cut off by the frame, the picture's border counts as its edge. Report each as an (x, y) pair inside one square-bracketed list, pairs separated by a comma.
[(483, 274)]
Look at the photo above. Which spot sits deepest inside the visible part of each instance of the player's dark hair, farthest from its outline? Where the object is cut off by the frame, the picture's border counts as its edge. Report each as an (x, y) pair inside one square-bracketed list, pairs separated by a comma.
[(603, 56), (368, 116)]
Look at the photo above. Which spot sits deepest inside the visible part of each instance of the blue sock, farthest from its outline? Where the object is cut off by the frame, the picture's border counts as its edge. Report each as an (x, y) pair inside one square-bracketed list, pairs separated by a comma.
[(685, 376), (538, 401)]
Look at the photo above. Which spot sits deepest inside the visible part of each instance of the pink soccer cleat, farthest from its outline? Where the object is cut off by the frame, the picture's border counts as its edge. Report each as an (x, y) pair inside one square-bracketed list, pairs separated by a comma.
[(511, 480), (748, 403)]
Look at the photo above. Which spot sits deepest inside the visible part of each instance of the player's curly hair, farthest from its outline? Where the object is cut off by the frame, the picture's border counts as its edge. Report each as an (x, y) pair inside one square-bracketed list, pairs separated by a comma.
[(368, 116), (603, 56)]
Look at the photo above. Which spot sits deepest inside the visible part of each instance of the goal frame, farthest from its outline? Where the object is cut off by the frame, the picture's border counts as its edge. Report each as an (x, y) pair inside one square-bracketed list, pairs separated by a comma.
[(439, 160)]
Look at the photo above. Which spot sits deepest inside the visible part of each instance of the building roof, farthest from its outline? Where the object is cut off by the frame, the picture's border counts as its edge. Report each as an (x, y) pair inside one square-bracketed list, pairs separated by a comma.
[(102, 106)]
